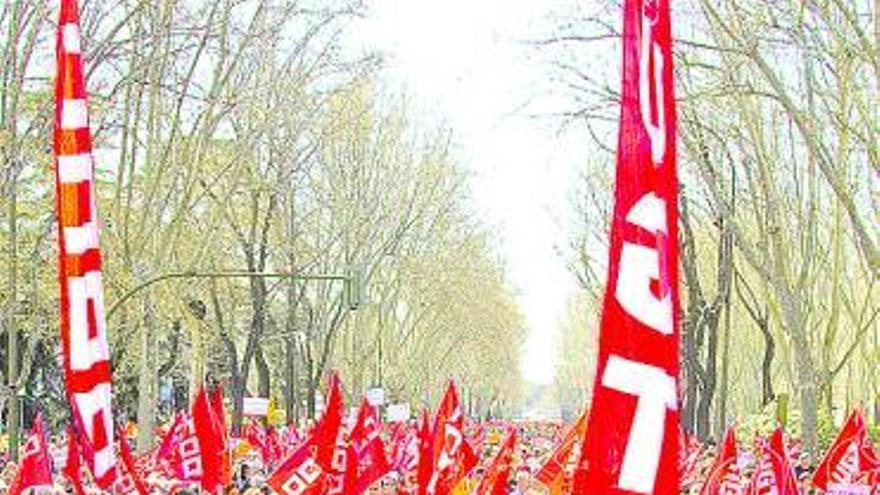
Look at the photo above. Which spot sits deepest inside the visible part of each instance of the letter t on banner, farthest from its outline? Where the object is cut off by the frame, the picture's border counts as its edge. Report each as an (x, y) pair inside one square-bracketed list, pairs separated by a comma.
[(631, 445)]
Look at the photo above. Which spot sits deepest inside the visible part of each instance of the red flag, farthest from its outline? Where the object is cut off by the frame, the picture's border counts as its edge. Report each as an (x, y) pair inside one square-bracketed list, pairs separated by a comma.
[(426, 454), (724, 476), (632, 436), (267, 441), (869, 457), (845, 459), (184, 461), (72, 467), (494, 482), (330, 439), (552, 473), (165, 453), (452, 455), (690, 450), (35, 467), (300, 474), (405, 449), (127, 481), (209, 422), (306, 471), (773, 473), (328, 428), (83, 333), (367, 461)]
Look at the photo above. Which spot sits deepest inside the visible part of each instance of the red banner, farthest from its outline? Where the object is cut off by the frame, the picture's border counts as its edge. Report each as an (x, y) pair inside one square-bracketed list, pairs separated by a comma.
[(847, 457), (495, 480), (552, 473), (72, 467), (632, 442), (83, 333), (724, 476), (35, 468), (773, 474), (300, 474), (365, 456), (452, 455)]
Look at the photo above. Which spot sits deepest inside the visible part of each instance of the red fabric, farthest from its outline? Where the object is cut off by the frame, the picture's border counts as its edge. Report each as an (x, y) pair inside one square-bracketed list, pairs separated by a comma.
[(452, 455), (494, 482), (35, 467), (405, 449), (72, 466), (209, 422), (328, 429), (426, 454), (306, 471), (265, 440), (85, 353), (724, 476), (848, 456), (366, 458), (773, 473), (554, 469), (869, 459), (632, 435), (690, 450), (127, 481), (185, 461), (300, 474), (330, 439), (165, 453)]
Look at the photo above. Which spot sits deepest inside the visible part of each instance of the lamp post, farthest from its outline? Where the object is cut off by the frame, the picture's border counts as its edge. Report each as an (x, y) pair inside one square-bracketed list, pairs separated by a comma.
[(351, 280)]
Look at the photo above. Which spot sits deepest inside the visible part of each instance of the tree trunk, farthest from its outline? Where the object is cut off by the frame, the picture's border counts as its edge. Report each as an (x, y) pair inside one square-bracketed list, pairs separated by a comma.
[(290, 376), (806, 372), (767, 394), (721, 417), (707, 391), (691, 384), (146, 379), (13, 415), (264, 377)]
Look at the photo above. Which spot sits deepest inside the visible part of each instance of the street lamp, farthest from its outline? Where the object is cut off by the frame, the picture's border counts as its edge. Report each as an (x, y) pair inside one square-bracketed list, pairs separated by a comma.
[(353, 280)]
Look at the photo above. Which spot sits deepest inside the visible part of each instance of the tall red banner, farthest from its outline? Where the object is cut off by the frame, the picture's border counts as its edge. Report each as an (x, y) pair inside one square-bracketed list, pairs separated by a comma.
[(83, 334), (632, 442)]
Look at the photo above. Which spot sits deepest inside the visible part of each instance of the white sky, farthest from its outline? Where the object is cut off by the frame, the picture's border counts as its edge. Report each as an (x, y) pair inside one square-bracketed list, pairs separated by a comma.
[(463, 63)]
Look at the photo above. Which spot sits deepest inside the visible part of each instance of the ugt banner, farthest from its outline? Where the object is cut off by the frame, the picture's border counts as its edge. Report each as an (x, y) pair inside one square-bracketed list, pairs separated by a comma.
[(83, 334), (631, 445)]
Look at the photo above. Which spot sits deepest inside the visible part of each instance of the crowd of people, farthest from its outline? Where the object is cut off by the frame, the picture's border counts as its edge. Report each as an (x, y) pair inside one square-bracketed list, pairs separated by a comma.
[(536, 443)]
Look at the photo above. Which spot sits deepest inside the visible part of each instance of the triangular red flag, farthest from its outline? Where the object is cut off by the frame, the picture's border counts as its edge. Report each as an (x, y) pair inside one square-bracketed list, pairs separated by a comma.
[(35, 467), (452, 455), (773, 472), (724, 476), (209, 422), (366, 458), (842, 463), (306, 471), (552, 473), (330, 439), (495, 479)]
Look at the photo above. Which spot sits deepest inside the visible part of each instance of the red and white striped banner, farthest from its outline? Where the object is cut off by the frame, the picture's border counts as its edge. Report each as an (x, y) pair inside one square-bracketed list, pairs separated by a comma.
[(632, 435), (83, 333)]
